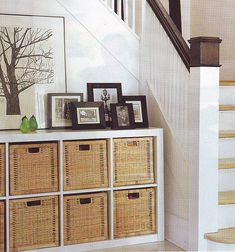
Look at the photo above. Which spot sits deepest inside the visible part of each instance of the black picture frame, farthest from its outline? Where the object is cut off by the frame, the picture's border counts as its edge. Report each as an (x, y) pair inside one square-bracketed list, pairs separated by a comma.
[(140, 109), (122, 116), (113, 94), (87, 115), (58, 114)]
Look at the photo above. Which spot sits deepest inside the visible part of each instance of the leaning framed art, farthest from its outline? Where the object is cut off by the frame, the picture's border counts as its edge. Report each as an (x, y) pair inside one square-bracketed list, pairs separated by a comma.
[(122, 116), (107, 93), (59, 115), (37, 68), (87, 115), (139, 108)]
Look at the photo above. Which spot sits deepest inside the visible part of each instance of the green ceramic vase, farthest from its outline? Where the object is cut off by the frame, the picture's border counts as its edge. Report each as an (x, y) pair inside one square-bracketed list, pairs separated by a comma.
[(33, 123), (25, 125)]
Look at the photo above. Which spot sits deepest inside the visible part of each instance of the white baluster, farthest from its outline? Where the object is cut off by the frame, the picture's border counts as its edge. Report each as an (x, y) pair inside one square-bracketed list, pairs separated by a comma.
[(112, 5), (119, 8), (133, 15), (126, 13)]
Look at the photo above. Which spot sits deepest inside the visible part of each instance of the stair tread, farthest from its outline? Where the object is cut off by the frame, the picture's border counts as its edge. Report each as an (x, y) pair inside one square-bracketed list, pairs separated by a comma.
[(227, 107), (225, 235), (227, 134), (226, 163), (226, 197), (227, 83)]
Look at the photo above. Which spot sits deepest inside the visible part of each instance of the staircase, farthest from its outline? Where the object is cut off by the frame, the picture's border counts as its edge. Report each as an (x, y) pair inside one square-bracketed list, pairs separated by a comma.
[(169, 97), (224, 239)]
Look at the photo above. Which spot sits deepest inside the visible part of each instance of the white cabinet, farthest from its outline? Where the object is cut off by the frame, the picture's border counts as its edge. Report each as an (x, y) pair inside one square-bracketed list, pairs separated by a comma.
[(154, 182)]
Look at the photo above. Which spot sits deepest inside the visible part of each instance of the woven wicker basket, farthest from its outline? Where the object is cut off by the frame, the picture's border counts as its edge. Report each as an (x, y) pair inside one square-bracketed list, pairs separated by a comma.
[(34, 223), (133, 161), (2, 169), (2, 226), (85, 164), (33, 168), (85, 218), (134, 212)]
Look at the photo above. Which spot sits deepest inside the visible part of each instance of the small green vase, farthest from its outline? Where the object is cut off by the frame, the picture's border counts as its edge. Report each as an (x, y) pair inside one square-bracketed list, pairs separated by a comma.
[(33, 123), (25, 126)]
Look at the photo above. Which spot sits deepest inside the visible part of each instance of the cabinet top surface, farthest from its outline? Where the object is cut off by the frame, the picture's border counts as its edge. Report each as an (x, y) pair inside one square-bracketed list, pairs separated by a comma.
[(66, 134)]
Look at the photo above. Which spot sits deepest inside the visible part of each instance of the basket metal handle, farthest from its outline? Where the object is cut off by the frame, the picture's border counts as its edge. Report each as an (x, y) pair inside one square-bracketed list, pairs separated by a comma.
[(133, 195), (34, 203), (85, 201), (33, 150), (132, 143), (84, 147)]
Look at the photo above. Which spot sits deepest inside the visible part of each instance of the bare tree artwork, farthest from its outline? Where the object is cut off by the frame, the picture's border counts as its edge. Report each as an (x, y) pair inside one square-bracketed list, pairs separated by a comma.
[(26, 58)]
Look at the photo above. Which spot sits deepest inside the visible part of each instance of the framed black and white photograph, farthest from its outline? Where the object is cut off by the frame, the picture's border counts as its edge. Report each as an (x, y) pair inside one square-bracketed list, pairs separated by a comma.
[(107, 93), (59, 115), (87, 115), (122, 116), (37, 68), (140, 110)]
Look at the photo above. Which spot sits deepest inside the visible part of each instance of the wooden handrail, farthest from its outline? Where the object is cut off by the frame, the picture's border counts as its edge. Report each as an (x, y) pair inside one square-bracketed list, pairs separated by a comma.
[(171, 30)]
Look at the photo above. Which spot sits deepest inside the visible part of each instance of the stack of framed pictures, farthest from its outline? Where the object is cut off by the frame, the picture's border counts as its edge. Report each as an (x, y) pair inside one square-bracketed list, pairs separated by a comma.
[(106, 107)]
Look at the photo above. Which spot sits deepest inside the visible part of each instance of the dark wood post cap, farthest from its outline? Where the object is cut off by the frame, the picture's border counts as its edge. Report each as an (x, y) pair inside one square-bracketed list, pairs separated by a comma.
[(204, 51)]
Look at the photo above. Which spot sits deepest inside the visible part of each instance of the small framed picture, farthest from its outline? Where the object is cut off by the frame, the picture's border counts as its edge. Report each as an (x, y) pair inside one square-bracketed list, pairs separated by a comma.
[(122, 116), (107, 93), (87, 115), (59, 115), (140, 110)]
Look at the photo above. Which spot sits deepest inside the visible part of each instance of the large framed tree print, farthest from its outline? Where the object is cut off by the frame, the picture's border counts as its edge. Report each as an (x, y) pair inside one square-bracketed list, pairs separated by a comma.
[(32, 64)]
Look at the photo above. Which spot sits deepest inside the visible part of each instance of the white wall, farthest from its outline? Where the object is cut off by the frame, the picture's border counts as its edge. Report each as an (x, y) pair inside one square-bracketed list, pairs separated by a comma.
[(99, 48), (216, 19)]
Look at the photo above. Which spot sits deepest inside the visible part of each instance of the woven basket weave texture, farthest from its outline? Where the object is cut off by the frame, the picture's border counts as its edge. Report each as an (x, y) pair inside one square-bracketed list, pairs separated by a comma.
[(34, 223), (134, 212), (85, 164), (133, 161), (33, 168), (2, 169), (2, 226), (85, 218)]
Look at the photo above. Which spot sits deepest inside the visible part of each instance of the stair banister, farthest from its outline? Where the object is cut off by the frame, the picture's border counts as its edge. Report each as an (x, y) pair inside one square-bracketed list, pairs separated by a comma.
[(182, 86), (185, 104), (172, 31)]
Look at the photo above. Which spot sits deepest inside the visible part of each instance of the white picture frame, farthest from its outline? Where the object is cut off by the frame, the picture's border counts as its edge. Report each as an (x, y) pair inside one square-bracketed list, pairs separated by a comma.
[(40, 66)]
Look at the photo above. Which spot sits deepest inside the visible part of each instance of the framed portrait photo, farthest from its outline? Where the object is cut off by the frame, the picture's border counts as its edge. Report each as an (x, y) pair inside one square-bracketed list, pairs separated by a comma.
[(59, 114), (140, 110), (107, 93), (87, 115), (122, 116)]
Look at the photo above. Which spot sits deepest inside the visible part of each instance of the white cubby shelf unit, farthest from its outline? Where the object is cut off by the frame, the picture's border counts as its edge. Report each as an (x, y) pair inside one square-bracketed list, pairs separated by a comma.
[(59, 135)]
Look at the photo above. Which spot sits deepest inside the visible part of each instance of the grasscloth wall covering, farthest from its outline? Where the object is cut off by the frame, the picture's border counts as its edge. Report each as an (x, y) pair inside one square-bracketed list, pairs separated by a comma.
[(216, 18)]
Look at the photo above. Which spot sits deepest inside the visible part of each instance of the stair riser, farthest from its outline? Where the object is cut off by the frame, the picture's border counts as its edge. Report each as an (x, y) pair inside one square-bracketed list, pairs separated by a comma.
[(227, 95), (227, 148), (226, 216), (226, 180), (227, 120)]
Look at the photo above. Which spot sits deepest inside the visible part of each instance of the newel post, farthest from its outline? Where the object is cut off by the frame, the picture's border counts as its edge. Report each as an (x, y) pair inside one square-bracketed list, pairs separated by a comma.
[(204, 51), (203, 139)]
